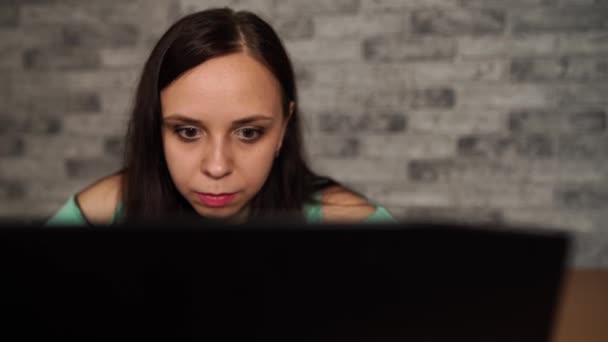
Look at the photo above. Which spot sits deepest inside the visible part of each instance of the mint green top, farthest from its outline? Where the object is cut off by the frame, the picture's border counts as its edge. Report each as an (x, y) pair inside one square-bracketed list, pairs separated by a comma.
[(70, 214)]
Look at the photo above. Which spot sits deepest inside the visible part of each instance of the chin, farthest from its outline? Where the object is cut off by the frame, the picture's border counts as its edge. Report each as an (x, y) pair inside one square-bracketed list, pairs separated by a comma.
[(217, 213)]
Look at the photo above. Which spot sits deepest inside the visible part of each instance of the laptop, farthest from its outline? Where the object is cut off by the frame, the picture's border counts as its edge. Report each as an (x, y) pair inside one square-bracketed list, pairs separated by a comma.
[(281, 280)]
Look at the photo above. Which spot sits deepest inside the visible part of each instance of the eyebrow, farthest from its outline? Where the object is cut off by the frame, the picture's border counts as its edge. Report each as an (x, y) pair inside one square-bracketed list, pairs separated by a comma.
[(242, 121)]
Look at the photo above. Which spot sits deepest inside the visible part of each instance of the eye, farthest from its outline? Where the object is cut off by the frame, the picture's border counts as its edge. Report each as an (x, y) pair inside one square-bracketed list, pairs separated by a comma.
[(249, 134), (188, 132)]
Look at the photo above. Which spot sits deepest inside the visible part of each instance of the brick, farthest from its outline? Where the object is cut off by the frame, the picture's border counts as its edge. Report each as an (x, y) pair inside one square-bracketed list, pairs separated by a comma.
[(334, 147), (317, 6), (405, 146), (124, 57), (588, 94), (582, 196), (9, 14), (452, 215), (536, 146), (10, 58), (588, 69), (48, 169), (362, 170), (425, 73), (564, 68), (566, 20), (581, 3), (11, 190), (504, 195), (94, 36), (358, 26), (451, 22), (63, 147), (537, 69), (550, 218), (410, 195), (589, 250), (428, 169), (593, 43), (29, 210), (60, 59), (376, 76), (475, 195), (308, 124), (558, 120), (114, 146), (59, 103), (316, 100), (509, 4), (503, 95), (389, 122), (103, 80), (91, 168), (435, 97), (53, 191), (565, 171), (361, 101), (431, 97), (11, 146), (394, 48), (299, 27), (95, 13), (37, 125), (260, 7), (32, 37), (99, 125), (117, 102), (8, 124), (6, 96), (304, 76), (529, 45), (457, 122), (73, 81), (13, 38), (48, 125), (158, 18), (588, 121), (582, 147), (324, 50), (393, 5)]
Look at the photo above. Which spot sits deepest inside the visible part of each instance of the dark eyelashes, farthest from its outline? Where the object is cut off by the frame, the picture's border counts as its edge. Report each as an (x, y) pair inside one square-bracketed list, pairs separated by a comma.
[(181, 131), (258, 131), (178, 130)]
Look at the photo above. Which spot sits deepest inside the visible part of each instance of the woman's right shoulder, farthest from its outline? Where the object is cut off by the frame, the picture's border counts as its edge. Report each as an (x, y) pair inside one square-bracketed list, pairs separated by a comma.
[(98, 202)]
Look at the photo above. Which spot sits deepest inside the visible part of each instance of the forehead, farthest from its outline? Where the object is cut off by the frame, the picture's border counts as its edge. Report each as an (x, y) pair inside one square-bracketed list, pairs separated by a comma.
[(229, 86)]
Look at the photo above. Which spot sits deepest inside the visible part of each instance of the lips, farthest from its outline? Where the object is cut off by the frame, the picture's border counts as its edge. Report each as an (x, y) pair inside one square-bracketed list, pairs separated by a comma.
[(216, 200)]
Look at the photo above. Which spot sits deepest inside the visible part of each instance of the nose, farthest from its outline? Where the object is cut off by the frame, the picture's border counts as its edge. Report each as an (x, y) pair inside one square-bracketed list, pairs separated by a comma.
[(217, 160)]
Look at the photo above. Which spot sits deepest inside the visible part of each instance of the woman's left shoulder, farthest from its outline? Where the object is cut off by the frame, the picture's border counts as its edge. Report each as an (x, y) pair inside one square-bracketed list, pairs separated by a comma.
[(338, 204)]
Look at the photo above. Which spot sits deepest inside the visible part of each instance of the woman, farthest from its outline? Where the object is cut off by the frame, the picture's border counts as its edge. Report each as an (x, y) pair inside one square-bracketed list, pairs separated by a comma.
[(215, 133)]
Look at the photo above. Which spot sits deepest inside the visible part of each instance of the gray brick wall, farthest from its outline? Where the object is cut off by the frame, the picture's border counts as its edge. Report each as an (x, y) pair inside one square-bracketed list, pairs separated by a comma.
[(466, 110)]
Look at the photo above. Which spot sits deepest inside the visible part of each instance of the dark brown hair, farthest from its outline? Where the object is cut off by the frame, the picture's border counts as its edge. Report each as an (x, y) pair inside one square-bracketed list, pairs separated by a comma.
[(148, 190)]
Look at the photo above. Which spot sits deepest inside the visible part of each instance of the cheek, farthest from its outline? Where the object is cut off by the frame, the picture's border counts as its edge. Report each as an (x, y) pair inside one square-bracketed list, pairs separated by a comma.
[(179, 161), (256, 163)]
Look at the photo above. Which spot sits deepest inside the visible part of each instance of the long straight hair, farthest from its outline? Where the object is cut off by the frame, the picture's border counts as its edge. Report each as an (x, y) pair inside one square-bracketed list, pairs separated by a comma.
[(148, 191)]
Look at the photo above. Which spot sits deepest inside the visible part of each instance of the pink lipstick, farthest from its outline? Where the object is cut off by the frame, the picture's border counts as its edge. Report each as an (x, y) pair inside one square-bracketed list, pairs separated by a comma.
[(216, 200)]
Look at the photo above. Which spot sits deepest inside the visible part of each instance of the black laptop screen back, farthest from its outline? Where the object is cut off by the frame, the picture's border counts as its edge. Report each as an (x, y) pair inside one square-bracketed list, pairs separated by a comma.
[(323, 283)]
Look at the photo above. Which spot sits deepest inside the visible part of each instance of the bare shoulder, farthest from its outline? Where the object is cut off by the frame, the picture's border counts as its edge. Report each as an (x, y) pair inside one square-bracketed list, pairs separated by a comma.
[(98, 201), (342, 205)]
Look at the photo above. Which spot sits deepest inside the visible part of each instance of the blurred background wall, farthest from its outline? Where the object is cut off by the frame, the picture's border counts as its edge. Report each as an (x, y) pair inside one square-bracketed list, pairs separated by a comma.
[(467, 110)]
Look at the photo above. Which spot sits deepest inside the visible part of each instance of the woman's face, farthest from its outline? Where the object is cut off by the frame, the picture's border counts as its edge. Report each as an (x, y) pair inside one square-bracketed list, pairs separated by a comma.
[(222, 125)]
